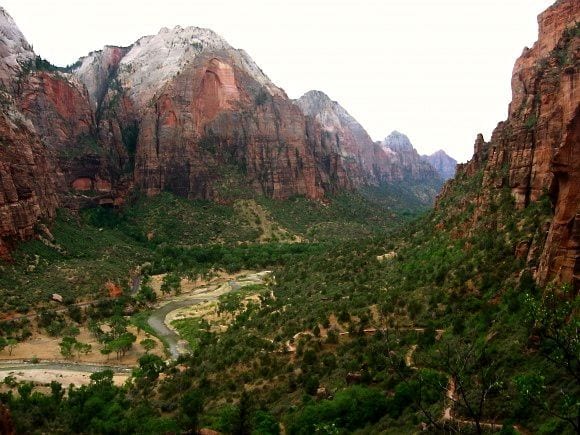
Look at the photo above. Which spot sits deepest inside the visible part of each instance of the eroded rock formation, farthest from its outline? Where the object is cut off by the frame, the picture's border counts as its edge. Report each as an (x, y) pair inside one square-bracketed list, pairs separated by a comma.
[(535, 152), (180, 111)]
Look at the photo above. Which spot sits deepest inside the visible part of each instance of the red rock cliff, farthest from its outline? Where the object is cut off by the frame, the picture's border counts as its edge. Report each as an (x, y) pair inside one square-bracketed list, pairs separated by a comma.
[(27, 185), (207, 117), (536, 150)]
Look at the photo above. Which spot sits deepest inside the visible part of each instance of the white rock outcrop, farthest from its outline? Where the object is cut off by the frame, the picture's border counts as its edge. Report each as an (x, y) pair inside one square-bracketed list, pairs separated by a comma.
[(15, 51)]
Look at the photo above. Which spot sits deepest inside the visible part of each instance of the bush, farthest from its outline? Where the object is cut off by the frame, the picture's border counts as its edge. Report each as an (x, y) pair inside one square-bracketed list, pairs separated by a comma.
[(351, 409)]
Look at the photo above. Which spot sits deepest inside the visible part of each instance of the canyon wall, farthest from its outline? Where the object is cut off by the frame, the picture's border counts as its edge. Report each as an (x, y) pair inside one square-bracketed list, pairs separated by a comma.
[(179, 111), (535, 152)]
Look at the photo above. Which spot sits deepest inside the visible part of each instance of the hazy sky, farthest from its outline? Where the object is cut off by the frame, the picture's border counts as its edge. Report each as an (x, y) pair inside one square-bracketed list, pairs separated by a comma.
[(438, 71)]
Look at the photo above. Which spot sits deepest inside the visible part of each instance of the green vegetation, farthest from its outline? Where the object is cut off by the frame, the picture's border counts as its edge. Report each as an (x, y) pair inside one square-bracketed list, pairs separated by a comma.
[(262, 97), (339, 341), (531, 122), (171, 234), (194, 331)]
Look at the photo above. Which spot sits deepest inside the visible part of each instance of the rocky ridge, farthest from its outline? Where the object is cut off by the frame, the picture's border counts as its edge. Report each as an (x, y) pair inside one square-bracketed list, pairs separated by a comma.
[(179, 111), (392, 160), (535, 152), (340, 132)]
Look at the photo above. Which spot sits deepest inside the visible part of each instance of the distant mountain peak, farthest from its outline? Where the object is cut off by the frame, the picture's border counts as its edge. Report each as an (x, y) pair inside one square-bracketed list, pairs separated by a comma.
[(397, 141), (443, 163), (327, 111)]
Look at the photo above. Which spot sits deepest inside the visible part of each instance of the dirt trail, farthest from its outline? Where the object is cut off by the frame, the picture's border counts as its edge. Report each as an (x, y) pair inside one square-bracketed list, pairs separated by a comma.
[(451, 398), (409, 357)]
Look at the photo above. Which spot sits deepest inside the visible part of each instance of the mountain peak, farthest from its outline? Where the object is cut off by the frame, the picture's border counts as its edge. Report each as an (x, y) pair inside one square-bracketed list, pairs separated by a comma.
[(318, 104), (315, 94), (14, 49), (443, 163), (153, 60), (397, 141)]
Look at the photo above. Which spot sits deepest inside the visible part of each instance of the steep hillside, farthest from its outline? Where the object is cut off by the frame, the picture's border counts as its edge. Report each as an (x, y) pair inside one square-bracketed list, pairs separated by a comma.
[(393, 162), (534, 153)]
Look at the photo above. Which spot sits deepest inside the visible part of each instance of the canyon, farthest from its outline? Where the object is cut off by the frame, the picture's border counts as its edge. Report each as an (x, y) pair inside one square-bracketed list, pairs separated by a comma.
[(183, 111), (180, 111), (143, 187)]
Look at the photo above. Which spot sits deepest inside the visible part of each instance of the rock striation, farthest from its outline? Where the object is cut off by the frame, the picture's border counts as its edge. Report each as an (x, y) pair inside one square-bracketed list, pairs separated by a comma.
[(536, 151), (179, 111)]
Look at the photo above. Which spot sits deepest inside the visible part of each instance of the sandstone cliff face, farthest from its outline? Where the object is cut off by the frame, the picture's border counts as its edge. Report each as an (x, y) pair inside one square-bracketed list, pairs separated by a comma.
[(535, 151), (59, 107), (210, 118), (442, 163), (202, 111), (27, 175), (27, 185), (50, 155)]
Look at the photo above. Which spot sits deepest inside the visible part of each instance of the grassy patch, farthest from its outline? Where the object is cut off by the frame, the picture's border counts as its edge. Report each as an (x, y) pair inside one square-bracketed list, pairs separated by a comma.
[(194, 330)]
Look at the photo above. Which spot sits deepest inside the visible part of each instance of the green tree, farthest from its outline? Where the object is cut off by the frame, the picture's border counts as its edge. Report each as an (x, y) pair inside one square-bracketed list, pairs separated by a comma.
[(150, 366), (191, 406), (242, 421), (475, 378), (148, 344), (171, 283), (264, 423), (11, 342), (554, 318), (122, 344), (67, 347)]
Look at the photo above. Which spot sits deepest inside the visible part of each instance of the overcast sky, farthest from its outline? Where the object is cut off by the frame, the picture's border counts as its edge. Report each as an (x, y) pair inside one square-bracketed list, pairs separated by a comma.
[(438, 71)]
